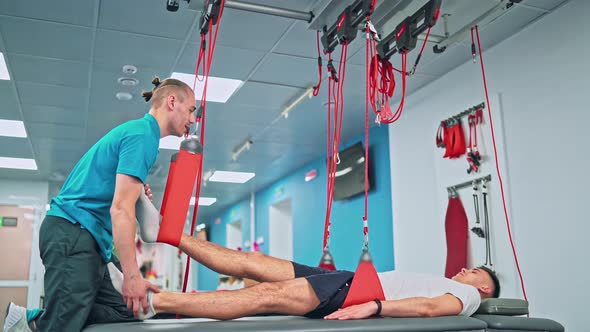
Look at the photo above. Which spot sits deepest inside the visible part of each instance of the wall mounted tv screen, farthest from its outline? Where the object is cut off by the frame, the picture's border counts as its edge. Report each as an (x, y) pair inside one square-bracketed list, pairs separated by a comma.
[(350, 173)]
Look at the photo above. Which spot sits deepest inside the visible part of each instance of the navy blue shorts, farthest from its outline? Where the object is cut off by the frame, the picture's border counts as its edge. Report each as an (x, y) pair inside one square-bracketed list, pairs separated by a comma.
[(331, 287)]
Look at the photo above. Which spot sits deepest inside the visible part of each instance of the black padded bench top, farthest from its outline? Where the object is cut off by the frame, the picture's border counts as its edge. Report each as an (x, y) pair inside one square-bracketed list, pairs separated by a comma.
[(489, 323), (508, 323), (298, 324)]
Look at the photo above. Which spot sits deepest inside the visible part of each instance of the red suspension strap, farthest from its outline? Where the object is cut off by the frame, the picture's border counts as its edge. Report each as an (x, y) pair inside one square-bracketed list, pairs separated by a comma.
[(365, 286), (316, 89), (473, 156), (485, 85), (200, 57), (335, 91), (203, 105), (382, 68), (436, 14)]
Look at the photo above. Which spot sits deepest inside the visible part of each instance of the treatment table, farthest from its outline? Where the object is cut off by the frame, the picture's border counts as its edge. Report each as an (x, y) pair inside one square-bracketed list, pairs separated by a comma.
[(494, 315)]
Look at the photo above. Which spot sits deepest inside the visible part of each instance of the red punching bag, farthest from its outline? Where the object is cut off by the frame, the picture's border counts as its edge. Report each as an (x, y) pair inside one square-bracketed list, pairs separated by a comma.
[(168, 181), (456, 228), (181, 186)]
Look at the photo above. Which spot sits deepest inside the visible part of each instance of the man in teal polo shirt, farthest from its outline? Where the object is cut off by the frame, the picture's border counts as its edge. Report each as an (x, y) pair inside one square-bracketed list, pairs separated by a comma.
[(95, 206)]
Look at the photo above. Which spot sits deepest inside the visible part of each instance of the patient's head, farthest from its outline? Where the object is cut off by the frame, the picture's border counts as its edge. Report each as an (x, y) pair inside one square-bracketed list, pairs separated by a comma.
[(482, 278)]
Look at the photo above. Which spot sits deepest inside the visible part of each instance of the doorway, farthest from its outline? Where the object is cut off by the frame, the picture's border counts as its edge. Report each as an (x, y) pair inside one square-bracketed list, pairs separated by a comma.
[(16, 241), (234, 235), (281, 230)]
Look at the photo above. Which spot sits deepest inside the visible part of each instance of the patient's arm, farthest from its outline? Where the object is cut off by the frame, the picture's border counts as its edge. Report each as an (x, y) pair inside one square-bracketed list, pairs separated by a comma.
[(444, 305)]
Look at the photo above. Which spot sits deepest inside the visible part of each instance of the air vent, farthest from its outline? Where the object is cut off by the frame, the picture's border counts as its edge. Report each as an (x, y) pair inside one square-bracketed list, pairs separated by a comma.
[(127, 81), (124, 96), (129, 69)]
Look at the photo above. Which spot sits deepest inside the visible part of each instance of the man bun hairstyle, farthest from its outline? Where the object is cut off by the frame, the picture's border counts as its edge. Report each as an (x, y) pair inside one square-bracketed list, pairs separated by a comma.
[(161, 87), (147, 95), (495, 280)]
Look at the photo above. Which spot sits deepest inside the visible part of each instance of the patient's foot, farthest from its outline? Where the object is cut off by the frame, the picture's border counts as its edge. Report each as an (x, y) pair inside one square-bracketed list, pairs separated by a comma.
[(148, 218), (151, 227), (117, 281)]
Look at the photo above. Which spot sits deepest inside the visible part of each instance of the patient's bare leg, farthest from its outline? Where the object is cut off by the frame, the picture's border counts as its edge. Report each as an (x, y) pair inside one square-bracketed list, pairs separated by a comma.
[(291, 297), (252, 265)]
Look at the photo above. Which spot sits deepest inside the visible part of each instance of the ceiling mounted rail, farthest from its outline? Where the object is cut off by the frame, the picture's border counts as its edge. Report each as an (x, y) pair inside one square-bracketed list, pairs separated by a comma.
[(262, 9)]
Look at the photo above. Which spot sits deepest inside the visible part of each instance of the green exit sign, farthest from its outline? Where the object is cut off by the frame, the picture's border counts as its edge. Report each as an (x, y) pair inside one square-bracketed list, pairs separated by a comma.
[(8, 221)]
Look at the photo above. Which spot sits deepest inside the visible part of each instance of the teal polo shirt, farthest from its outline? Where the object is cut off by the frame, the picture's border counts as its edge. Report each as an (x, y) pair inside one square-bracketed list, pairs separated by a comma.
[(87, 194)]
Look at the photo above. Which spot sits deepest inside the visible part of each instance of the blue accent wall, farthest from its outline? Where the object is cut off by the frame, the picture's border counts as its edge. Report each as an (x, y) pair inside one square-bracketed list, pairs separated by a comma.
[(308, 201), (207, 279)]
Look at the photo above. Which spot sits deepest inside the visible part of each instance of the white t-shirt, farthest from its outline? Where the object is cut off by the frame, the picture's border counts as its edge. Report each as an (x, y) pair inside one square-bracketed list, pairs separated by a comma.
[(402, 285)]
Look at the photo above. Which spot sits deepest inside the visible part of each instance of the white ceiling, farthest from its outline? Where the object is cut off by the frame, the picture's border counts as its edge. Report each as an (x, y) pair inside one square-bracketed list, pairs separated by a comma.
[(65, 56)]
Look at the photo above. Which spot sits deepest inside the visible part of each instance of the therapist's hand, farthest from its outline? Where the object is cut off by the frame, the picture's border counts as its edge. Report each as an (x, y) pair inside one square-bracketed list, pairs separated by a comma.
[(148, 191), (135, 291)]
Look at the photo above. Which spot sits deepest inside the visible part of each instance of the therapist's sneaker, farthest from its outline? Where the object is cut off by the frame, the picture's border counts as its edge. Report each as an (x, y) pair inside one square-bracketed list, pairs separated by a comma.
[(16, 319)]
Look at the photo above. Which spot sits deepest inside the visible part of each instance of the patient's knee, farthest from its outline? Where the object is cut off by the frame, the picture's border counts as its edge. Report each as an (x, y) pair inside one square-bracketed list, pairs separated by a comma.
[(256, 255)]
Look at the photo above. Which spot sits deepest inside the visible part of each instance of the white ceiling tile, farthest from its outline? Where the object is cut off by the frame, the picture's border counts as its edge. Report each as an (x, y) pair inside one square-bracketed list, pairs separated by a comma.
[(248, 30), (121, 48), (46, 39), (53, 95), (300, 41), (9, 109), (15, 147), (55, 71), (56, 144), (65, 11), (148, 17), (303, 72), (224, 61), (249, 115), (56, 131), (275, 96), (25, 175), (54, 115)]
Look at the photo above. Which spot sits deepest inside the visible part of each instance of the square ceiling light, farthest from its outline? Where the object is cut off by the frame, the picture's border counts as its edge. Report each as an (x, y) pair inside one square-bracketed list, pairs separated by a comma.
[(12, 128), (171, 142), (218, 89), (18, 163), (231, 177), (204, 201), (3, 69)]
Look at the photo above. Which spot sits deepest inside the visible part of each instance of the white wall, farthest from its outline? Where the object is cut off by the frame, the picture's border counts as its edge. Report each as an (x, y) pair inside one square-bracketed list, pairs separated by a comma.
[(538, 84), (35, 195)]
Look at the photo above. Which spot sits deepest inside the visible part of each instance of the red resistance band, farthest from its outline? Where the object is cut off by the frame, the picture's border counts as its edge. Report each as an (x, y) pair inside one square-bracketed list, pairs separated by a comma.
[(382, 81), (473, 156), (485, 86), (441, 133), (316, 89), (203, 105), (334, 123), (450, 136), (365, 286)]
